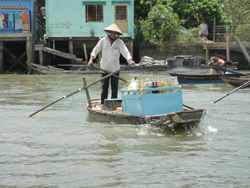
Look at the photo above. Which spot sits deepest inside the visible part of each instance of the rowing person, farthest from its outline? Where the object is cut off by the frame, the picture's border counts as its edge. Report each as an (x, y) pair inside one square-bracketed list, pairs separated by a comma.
[(215, 61), (111, 46)]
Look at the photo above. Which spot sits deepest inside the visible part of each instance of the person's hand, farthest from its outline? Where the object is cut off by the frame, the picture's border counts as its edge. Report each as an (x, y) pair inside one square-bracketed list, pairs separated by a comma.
[(131, 62), (90, 62)]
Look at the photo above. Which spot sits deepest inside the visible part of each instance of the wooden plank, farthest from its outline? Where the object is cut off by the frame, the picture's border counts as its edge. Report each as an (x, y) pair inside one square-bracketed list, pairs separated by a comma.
[(71, 47), (28, 48), (228, 45), (85, 53), (14, 37), (59, 53), (38, 47), (41, 57), (70, 65)]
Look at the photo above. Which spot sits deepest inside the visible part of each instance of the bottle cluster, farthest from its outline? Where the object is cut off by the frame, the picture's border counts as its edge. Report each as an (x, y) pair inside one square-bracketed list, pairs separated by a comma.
[(167, 81)]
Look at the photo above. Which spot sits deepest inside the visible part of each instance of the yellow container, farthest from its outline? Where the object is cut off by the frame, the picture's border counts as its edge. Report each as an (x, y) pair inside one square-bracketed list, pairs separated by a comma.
[(119, 109)]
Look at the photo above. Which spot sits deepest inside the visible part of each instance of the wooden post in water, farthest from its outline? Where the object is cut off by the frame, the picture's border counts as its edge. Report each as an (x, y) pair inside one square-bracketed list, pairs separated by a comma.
[(228, 43), (1, 58), (214, 29), (33, 36), (85, 53), (87, 92), (71, 51), (207, 52)]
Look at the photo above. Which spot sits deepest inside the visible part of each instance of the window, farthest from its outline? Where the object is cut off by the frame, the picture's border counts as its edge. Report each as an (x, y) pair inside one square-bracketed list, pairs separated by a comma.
[(121, 13), (94, 13)]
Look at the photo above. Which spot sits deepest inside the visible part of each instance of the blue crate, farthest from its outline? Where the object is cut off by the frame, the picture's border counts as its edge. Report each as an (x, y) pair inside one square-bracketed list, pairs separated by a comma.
[(137, 103)]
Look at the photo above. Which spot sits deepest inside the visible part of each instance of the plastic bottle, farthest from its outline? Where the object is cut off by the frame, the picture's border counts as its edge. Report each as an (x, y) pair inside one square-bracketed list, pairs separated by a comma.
[(142, 86), (160, 85), (163, 85), (170, 83), (146, 85), (128, 83), (139, 84)]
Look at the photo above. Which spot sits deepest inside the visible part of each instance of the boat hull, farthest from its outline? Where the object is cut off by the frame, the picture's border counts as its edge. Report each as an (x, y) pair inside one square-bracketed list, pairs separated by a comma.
[(236, 81), (201, 79), (182, 119)]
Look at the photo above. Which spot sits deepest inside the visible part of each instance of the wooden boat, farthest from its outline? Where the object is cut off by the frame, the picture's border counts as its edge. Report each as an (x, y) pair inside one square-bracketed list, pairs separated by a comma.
[(50, 70), (187, 118), (236, 81), (164, 110), (202, 78)]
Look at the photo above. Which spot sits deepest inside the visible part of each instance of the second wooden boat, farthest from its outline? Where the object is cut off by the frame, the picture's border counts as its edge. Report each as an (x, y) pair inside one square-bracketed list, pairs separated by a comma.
[(236, 81), (202, 78)]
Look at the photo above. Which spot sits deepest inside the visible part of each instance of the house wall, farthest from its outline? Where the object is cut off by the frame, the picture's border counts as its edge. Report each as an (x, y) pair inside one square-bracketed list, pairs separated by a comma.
[(18, 6), (66, 18)]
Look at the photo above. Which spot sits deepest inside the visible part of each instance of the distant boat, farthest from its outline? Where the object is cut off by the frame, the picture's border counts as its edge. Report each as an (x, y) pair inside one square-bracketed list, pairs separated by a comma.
[(236, 81), (202, 78), (50, 70)]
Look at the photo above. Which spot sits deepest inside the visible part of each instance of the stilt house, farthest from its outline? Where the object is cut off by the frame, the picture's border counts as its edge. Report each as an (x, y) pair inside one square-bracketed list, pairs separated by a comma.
[(82, 21), (15, 33)]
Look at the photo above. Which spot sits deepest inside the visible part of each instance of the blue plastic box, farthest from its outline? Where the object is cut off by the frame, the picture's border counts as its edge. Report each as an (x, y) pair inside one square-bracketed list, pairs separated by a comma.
[(137, 103)]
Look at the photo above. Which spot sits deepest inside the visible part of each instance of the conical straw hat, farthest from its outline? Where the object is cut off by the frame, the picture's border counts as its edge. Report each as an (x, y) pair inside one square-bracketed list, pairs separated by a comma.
[(113, 27)]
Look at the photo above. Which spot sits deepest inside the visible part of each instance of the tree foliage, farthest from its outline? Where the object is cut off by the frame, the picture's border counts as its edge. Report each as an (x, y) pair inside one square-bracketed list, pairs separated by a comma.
[(237, 11), (193, 12), (190, 12), (160, 25)]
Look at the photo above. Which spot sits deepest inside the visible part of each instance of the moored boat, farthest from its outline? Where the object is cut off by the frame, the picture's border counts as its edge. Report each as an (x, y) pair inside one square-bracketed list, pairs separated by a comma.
[(202, 78), (236, 81)]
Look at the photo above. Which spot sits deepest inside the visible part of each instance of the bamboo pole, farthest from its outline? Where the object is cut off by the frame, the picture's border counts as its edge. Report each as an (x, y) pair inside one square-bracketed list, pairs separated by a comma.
[(228, 43)]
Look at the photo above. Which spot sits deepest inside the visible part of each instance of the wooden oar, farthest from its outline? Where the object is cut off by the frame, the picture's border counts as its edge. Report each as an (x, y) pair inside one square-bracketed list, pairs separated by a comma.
[(242, 86), (108, 72), (188, 107), (64, 97), (111, 74)]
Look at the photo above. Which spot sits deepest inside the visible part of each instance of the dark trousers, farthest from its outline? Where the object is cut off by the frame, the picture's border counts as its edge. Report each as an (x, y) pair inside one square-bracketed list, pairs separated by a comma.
[(105, 87)]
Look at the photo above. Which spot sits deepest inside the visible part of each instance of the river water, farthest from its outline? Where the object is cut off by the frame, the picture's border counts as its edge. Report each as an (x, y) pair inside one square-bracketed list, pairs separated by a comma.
[(61, 147)]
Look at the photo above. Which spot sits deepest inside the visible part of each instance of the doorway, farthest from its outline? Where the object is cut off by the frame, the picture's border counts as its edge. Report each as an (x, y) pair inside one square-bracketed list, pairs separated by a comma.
[(121, 17)]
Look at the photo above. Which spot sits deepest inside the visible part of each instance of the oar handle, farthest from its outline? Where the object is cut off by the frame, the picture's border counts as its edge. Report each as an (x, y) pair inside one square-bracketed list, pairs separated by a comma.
[(107, 72), (111, 74)]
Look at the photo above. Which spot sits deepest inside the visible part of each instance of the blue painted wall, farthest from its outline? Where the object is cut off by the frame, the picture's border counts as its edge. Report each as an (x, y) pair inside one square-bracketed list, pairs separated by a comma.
[(9, 27), (66, 18)]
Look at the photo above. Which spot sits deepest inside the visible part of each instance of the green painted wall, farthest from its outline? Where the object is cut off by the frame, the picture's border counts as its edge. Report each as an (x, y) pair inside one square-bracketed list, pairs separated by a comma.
[(66, 18)]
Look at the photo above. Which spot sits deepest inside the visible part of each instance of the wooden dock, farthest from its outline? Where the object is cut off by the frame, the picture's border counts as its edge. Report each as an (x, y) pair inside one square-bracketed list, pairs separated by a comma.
[(14, 37), (7, 40), (224, 46)]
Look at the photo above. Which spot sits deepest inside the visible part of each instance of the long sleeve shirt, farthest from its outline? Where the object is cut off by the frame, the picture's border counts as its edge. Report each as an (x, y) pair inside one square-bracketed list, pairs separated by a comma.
[(204, 29), (111, 53)]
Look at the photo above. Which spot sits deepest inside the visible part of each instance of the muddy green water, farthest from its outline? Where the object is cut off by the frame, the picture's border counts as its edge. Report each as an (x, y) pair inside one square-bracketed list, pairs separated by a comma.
[(61, 147)]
